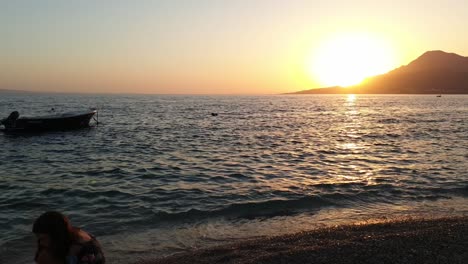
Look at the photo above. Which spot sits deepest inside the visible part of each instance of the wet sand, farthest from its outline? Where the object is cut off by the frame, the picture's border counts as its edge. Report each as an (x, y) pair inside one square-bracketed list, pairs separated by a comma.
[(441, 240)]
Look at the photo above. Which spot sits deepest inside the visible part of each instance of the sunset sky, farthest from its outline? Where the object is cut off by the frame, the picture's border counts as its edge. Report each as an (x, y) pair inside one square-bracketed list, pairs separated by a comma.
[(216, 47)]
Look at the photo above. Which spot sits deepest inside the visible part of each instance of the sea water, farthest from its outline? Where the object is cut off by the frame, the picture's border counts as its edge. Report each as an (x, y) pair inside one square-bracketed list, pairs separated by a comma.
[(160, 174)]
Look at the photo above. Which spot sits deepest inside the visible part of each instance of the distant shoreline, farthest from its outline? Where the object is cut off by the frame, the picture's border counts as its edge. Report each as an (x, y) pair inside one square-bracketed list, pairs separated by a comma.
[(299, 93), (411, 240), (24, 92)]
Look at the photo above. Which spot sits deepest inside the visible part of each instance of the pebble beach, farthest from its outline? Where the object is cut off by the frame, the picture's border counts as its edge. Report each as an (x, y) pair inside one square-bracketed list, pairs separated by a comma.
[(409, 240)]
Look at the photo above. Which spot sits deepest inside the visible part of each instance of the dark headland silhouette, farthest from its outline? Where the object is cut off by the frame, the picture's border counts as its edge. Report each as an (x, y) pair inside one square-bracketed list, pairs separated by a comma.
[(434, 72), (7, 91)]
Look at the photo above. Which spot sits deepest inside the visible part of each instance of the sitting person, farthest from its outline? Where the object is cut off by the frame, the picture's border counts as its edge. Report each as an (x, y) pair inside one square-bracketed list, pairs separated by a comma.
[(58, 242)]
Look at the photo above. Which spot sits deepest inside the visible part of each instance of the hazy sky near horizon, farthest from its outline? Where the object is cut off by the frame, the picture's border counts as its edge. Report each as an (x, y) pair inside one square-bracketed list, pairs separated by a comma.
[(204, 46)]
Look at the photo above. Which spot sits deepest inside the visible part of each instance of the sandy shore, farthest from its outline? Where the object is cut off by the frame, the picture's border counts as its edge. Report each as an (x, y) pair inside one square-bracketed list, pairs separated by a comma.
[(442, 240)]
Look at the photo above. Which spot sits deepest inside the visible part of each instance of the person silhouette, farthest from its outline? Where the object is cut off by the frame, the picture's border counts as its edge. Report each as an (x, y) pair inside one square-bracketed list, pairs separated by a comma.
[(60, 242)]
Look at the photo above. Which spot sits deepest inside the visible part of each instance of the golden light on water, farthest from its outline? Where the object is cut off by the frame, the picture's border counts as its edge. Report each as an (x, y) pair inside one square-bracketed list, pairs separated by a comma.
[(347, 59), (351, 98)]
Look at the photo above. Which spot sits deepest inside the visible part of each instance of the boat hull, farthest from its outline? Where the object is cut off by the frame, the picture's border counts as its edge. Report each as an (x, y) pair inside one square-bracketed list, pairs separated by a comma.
[(50, 124)]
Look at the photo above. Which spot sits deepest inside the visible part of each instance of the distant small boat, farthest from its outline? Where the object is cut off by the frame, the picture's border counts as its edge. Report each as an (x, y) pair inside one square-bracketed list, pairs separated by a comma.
[(55, 122), (439, 95)]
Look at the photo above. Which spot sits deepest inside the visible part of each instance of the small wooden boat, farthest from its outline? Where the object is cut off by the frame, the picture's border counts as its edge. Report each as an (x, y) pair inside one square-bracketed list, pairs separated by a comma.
[(55, 122)]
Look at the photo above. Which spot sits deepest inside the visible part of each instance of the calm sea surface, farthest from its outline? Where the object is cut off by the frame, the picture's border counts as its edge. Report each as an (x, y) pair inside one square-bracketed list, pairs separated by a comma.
[(160, 174)]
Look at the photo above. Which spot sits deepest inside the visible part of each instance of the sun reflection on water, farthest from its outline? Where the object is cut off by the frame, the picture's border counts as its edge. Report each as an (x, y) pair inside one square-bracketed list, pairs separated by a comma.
[(351, 148), (351, 98)]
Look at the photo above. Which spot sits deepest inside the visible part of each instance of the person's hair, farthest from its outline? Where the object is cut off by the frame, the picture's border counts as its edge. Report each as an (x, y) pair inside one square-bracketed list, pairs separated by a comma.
[(59, 229)]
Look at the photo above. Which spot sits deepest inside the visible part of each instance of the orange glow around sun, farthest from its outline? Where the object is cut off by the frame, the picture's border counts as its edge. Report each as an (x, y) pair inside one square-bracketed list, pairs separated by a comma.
[(347, 59)]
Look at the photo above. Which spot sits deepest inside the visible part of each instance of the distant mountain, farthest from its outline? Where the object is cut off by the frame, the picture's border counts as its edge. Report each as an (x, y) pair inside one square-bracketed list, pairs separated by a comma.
[(327, 90), (433, 72), (7, 91), (436, 60)]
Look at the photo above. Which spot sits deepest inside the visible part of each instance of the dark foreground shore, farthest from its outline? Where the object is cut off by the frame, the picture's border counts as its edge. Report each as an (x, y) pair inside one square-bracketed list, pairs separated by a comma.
[(442, 240)]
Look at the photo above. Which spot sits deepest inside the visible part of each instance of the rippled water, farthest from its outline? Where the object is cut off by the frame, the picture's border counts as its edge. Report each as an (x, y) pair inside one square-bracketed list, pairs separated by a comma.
[(160, 174)]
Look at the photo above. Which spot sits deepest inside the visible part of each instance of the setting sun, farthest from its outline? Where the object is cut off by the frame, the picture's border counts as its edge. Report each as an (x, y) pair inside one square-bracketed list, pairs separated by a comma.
[(347, 59)]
